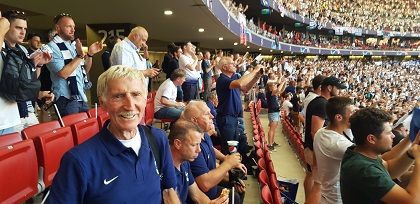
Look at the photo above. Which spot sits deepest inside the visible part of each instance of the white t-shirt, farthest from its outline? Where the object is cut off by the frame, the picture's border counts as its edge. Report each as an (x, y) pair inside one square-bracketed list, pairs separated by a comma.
[(134, 143), (183, 61), (329, 148), (307, 100), (287, 106), (9, 112), (168, 90)]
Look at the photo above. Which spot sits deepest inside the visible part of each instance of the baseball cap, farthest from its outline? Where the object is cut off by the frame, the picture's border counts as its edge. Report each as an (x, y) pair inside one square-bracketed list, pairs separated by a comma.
[(333, 81)]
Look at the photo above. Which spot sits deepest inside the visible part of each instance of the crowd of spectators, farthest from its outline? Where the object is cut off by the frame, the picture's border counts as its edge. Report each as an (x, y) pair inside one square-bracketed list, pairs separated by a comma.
[(384, 15), (387, 15), (388, 85)]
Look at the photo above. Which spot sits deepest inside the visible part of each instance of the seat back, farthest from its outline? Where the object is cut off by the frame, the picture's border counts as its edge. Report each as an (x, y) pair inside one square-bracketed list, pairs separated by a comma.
[(84, 130), (92, 112), (18, 172), (273, 183), (261, 164), (259, 153), (263, 178), (50, 147), (149, 111), (34, 131), (9, 139), (266, 195), (102, 118), (69, 120), (277, 197)]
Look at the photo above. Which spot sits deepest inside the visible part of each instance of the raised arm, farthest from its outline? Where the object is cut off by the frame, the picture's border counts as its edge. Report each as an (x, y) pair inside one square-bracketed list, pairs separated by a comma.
[(247, 82)]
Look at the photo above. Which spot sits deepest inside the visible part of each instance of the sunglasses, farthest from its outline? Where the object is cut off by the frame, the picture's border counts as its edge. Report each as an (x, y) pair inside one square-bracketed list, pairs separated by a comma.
[(60, 16), (15, 14)]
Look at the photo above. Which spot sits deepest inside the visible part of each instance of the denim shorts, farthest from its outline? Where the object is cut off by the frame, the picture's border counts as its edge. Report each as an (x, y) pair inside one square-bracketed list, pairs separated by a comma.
[(274, 117)]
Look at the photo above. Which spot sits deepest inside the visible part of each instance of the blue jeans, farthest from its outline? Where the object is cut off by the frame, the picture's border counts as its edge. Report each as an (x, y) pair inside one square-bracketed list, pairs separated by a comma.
[(7, 131), (189, 91), (169, 112), (67, 107), (179, 94), (231, 128)]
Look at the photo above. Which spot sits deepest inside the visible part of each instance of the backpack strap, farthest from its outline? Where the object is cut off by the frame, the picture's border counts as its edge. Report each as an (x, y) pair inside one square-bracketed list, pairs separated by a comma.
[(153, 144)]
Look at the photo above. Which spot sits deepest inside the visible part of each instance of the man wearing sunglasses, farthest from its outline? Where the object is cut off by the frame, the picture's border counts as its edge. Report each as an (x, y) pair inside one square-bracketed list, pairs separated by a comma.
[(70, 66)]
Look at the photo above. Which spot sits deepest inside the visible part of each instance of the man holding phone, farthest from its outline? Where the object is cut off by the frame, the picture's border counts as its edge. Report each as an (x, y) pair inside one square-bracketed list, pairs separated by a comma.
[(229, 111), (127, 53)]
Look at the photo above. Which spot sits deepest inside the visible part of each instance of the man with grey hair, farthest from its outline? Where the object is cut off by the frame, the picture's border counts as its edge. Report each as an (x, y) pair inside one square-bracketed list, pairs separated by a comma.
[(127, 53), (119, 159)]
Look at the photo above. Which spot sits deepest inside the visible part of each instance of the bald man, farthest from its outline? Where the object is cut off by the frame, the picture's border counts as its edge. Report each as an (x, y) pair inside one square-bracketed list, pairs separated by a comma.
[(209, 175), (127, 51)]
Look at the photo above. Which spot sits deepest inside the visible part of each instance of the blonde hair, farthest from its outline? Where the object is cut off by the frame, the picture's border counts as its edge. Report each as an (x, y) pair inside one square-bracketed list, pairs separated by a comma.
[(117, 72)]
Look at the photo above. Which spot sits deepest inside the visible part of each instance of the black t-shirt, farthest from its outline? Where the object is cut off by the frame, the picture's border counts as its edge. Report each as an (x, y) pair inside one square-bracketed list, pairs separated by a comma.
[(263, 99), (297, 105), (272, 102), (315, 107)]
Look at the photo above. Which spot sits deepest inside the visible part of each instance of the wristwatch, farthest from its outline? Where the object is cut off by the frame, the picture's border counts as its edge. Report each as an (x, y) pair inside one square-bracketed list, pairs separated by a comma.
[(80, 56)]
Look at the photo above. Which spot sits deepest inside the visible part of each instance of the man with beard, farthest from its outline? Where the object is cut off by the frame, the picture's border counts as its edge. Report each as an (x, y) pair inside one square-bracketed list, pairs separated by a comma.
[(315, 119), (366, 177), (69, 67)]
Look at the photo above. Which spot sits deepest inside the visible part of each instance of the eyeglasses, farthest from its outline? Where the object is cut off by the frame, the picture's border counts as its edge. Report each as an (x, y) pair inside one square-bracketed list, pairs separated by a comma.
[(60, 16), (15, 14)]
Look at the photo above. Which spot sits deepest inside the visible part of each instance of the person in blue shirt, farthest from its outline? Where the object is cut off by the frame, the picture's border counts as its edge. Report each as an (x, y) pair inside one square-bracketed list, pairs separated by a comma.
[(69, 67), (184, 140), (212, 104), (209, 176), (229, 110), (117, 164)]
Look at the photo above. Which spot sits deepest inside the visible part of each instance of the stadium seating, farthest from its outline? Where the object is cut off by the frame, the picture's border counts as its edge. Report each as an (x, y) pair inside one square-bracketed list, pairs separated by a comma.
[(93, 112), (18, 172), (84, 130), (69, 120), (35, 130), (50, 147), (266, 195), (9, 139)]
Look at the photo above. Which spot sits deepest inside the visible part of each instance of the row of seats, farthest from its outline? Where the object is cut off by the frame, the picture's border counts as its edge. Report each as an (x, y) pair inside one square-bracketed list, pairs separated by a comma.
[(294, 137), (30, 160), (269, 188)]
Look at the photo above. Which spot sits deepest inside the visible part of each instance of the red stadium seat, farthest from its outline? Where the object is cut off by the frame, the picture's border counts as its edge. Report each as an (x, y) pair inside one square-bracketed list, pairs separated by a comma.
[(149, 111), (34, 131), (9, 139), (69, 120), (102, 118), (92, 112), (259, 153), (273, 183), (277, 197), (84, 130), (261, 164), (50, 147), (263, 178), (18, 172), (266, 195)]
